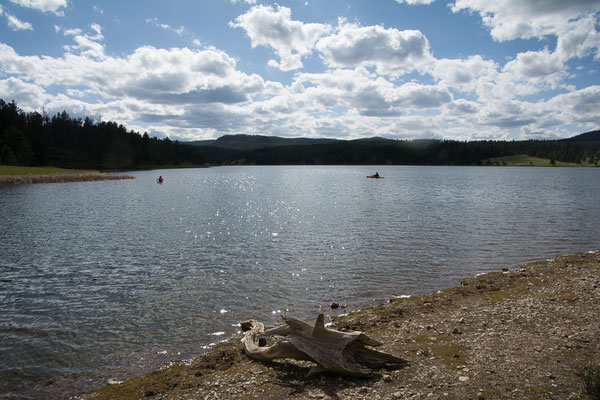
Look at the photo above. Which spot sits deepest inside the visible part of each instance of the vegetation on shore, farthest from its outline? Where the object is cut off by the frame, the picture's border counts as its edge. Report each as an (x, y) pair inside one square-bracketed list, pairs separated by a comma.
[(35, 139), (523, 160), (21, 170), (531, 332), (11, 175)]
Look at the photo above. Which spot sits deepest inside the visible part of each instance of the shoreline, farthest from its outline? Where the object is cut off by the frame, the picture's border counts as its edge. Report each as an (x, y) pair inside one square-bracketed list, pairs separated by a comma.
[(61, 177), (520, 333)]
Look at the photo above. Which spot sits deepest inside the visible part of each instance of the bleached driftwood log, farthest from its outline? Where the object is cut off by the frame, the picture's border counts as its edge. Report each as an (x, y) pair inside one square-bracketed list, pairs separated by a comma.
[(342, 352)]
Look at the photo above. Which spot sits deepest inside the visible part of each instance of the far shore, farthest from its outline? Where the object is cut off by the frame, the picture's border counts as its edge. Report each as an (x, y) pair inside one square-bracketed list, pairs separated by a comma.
[(531, 331)]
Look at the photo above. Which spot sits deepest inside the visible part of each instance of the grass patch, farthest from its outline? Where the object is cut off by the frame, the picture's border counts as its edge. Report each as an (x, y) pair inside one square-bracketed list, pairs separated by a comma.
[(539, 392), (452, 354), (422, 339), (523, 160), (17, 170), (590, 381)]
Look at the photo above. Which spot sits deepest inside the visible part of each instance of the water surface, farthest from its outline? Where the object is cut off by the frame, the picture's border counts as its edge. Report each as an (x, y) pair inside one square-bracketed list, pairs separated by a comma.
[(111, 279)]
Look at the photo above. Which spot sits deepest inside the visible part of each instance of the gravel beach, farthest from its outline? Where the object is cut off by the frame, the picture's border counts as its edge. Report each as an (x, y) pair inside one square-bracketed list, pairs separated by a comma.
[(526, 332)]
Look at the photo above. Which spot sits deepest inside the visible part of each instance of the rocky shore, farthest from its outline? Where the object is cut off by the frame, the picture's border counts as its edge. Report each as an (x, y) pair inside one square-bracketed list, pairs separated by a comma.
[(61, 177), (521, 333)]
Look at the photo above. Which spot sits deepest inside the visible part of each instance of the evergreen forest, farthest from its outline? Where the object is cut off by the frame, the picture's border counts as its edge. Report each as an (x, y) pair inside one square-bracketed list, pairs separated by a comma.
[(34, 139)]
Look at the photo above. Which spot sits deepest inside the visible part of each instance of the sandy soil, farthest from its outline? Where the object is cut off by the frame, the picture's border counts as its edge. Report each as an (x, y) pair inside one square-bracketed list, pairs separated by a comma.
[(523, 333)]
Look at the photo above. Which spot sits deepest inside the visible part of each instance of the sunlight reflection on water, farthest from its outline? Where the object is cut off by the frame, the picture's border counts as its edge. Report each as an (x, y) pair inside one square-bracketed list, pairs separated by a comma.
[(110, 279)]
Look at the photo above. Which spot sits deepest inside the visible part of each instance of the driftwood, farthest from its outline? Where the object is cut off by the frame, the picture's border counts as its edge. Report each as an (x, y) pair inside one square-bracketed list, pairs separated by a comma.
[(342, 352)]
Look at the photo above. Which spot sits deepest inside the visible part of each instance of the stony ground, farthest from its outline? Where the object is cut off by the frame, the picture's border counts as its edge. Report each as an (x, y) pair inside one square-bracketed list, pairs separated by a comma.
[(519, 334)]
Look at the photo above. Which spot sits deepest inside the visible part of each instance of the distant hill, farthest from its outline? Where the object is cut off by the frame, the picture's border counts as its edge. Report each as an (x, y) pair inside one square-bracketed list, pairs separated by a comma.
[(591, 136), (34, 139), (253, 142)]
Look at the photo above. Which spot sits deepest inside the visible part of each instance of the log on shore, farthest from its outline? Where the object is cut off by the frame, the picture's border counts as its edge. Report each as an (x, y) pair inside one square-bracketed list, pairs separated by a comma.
[(345, 353)]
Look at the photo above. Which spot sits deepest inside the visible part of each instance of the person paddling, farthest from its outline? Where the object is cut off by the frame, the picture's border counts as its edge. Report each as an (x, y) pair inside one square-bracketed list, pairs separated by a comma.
[(160, 179)]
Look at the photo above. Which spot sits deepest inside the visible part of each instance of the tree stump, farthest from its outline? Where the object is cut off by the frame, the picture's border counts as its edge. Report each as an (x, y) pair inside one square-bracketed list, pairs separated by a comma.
[(341, 352)]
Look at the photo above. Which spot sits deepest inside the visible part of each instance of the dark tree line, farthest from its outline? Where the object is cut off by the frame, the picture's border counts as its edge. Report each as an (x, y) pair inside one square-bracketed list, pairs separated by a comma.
[(409, 152), (37, 139)]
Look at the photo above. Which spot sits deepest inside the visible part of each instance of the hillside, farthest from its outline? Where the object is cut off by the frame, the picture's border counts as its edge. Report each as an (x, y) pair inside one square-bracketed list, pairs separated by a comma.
[(378, 151), (591, 136), (34, 139), (253, 142)]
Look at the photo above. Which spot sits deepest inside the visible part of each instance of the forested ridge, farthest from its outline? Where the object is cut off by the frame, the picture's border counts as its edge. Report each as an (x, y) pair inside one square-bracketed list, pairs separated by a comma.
[(31, 138)]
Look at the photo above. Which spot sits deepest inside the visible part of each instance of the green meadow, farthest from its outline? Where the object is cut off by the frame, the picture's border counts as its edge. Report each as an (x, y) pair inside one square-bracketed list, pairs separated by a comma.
[(523, 160), (18, 170)]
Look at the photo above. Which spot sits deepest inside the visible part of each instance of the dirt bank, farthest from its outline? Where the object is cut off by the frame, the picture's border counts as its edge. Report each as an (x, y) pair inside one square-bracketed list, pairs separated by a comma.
[(60, 178), (522, 334)]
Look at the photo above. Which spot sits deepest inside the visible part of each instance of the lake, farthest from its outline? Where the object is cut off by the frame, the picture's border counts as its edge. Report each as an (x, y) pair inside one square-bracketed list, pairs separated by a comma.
[(111, 279)]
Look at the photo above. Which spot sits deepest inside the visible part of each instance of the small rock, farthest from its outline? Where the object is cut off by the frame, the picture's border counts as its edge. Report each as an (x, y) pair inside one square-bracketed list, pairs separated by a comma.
[(457, 331), (334, 306), (463, 378), (113, 381), (386, 378)]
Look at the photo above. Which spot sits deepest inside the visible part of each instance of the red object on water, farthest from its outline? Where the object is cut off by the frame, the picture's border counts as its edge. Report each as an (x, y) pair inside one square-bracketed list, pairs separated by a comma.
[(374, 176)]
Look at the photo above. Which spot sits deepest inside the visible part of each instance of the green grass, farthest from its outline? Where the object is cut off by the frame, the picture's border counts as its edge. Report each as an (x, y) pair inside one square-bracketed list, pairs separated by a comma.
[(523, 160), (15, 170), (590, 381)]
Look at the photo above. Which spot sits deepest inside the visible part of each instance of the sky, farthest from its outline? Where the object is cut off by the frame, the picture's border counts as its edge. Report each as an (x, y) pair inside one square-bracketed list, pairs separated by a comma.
[(400, 69)]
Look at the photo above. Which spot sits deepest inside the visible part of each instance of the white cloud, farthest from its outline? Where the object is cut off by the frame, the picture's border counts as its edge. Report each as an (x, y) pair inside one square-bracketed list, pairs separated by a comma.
[(463, 107), (579, 106), (525, 19), (26, 95), (176, 87), (180, 31), (18, 25), (291, 40), (86, 44), (579, 39), (42, 5), (366, 94), (464, 74), (391, 51), (538, 67), (412, 2)]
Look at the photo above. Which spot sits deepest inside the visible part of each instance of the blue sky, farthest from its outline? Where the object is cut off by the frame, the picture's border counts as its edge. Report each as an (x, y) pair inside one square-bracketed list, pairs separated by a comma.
[(406, 69)]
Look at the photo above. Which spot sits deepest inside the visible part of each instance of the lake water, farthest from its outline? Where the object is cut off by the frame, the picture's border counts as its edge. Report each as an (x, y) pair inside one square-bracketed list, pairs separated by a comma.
[(111, 279)]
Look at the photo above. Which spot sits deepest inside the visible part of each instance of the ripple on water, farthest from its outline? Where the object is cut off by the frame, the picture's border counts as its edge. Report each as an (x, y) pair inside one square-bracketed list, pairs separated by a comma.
[(103, 280)]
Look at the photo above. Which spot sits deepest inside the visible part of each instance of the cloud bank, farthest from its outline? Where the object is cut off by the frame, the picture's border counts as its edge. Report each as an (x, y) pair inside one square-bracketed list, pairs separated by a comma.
[(376, 80)]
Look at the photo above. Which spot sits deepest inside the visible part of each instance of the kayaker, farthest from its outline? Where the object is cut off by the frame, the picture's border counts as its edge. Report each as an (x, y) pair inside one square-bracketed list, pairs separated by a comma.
[(160, 179), (376, 175)]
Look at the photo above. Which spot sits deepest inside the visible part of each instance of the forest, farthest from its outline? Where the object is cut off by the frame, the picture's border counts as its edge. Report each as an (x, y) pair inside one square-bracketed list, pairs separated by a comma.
[(35, 139), (31, 138)]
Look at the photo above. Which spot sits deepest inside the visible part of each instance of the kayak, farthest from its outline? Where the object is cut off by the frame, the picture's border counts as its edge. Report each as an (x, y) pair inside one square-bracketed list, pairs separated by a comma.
[(374, 176)]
